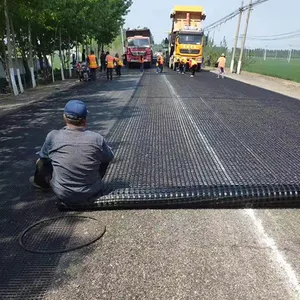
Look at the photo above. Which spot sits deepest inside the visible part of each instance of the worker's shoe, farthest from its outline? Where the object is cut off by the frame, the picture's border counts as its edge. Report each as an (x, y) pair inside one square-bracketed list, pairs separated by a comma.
[(192, 76)]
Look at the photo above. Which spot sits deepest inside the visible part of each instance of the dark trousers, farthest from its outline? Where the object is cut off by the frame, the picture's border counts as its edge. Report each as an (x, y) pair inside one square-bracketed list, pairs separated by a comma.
[(181, 68), (44, 170), (43, 173), (118, 70), (142, 67), (193, 69), (103, 66), (161, 67), (93, 74), (109, 72)]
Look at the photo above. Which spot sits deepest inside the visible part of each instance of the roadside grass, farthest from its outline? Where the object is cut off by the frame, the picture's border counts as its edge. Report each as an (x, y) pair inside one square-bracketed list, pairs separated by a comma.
[(279, 68)]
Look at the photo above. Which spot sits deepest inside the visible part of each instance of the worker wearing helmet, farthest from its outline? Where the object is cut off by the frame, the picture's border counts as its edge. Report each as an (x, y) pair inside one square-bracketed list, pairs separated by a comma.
[(161, 63), (193, 66), (118, 64), (109, 65), (93, 64), (221, 65)]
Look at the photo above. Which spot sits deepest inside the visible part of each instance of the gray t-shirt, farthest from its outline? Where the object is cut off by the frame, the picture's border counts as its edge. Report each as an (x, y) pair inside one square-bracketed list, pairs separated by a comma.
[(76, 155)]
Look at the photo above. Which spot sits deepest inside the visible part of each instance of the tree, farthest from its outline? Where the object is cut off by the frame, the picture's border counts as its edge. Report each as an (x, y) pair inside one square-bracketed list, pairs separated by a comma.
[(43, 27)]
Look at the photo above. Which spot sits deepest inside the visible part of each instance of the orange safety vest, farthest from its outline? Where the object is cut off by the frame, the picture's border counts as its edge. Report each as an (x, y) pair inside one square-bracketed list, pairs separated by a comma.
[(118, 62), (92, 62), (142, 60), (110, 62), (161, 61), (222, 62)]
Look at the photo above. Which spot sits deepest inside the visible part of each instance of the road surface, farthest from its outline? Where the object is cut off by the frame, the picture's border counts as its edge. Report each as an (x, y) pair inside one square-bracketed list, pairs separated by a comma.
[(168, 131)]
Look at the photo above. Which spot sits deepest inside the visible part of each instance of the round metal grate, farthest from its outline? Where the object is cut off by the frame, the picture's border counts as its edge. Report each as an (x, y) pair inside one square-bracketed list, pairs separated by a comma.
[(61, 234)]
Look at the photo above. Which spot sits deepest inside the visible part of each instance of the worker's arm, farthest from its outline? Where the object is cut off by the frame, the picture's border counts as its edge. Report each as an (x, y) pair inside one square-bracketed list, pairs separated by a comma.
[(106, 154), (46, 148), (87, 60)]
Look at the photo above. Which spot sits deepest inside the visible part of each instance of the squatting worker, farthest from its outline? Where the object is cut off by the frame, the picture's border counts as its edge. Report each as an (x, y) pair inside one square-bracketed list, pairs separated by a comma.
[(73, 160), (221, 65), (109, 65), (193, 66), (93, 64)]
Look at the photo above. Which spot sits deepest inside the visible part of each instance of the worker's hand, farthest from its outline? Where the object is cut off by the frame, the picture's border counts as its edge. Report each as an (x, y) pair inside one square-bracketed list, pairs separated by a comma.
[(38, 161)]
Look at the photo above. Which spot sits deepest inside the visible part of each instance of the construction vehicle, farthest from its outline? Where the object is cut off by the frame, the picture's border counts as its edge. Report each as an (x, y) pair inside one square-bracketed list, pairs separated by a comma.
[(138, 43), (186, 39)]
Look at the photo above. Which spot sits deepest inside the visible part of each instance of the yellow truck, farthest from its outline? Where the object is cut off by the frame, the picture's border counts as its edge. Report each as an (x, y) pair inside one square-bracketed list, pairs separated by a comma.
[(186, 39)]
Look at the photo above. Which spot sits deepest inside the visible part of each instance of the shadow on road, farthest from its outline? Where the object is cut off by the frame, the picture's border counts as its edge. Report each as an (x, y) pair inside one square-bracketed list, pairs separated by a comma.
[(25, 275)]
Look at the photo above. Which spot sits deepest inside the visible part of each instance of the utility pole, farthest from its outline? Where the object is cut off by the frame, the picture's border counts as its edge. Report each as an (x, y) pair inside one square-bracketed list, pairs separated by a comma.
[(265, 54), (9, 50), (122, 38), (289, 55), (236, 38), (244, 39)]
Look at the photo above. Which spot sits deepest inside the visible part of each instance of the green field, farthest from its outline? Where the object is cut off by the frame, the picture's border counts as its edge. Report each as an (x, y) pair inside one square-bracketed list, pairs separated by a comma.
[(276, 67)]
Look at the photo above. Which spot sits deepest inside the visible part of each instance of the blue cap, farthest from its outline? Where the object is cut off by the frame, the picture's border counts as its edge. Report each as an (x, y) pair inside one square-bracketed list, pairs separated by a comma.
[(76, 109)]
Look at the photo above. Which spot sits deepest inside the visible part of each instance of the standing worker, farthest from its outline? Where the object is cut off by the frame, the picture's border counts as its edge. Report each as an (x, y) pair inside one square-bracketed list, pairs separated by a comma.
[(142, 62), (109, 65), (93, 64), (83, 56), (221, 65), (118, 64), (161, 62), (102, 60), (193, 66)]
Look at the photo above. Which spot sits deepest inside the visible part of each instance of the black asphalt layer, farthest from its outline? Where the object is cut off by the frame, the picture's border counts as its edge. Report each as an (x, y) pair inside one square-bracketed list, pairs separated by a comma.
[(169, 131)]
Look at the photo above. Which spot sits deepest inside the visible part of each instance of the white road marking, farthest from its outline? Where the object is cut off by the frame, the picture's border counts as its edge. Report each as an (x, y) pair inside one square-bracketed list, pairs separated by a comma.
[(281, 263), (201, 135), (283, 266)]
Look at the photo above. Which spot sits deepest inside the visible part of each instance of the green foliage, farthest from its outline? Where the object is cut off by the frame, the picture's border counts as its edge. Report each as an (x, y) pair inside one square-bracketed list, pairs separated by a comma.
[(79, 21)]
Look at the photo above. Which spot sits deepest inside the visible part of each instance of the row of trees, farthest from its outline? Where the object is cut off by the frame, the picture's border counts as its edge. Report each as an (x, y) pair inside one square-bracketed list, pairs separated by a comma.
[(283, 53), (37, 28)]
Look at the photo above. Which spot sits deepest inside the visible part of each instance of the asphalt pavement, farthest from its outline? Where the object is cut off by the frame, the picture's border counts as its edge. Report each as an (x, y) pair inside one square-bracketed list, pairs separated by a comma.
[(168, 131)]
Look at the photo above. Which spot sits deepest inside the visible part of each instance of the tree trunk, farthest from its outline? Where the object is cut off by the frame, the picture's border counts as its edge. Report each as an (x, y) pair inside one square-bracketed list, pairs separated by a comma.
[(69, 58), (52, 67), (31, 57), (42, 70), (16, 56), (61, 58), (9, 50), (27, 74)]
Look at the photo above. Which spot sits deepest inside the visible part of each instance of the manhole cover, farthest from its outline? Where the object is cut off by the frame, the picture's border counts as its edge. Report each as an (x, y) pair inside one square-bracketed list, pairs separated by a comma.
[(61, 234)]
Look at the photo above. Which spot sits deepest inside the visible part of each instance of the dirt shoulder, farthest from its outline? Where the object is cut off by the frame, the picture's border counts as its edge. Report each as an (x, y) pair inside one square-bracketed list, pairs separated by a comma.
[(281, 86), (9, 102)]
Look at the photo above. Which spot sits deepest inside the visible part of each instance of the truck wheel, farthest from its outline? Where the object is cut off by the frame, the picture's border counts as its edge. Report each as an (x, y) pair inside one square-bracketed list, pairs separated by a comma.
[(174, 67)]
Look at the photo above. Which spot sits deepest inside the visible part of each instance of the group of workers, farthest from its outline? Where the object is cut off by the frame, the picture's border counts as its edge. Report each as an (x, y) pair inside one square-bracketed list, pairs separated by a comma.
[(183, 64), (108, 64)]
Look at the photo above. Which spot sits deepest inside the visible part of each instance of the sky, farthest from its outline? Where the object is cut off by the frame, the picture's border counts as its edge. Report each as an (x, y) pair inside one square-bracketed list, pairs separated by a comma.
[(270, 18)]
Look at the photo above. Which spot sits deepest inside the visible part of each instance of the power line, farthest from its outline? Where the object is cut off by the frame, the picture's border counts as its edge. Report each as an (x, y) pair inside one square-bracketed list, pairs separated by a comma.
[(232, 15), (276, 35), (274, 38)]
